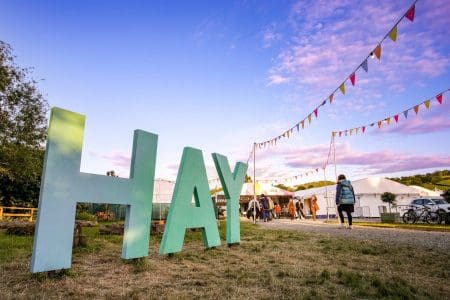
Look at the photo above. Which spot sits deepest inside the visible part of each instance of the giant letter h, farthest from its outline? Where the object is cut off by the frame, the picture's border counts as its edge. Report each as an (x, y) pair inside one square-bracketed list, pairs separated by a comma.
[(63, 186)]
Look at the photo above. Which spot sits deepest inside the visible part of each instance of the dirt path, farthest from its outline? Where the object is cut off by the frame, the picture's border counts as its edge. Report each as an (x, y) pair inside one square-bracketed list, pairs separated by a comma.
[(426, 239)]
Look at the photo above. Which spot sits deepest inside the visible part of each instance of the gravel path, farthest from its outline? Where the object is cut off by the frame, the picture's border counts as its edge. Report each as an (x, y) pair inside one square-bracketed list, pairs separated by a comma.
[(431, 240)]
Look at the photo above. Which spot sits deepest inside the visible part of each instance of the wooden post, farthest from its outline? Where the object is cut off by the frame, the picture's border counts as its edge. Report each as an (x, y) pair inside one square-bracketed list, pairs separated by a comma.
[(1, 213)]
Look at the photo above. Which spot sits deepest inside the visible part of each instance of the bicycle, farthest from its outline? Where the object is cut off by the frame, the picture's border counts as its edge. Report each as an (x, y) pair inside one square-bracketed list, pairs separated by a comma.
[(421, 213)]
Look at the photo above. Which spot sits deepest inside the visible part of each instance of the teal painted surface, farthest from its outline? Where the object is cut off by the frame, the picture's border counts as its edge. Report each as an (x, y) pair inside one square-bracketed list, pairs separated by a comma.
[(63, 185), (232, 186), (183, 213)]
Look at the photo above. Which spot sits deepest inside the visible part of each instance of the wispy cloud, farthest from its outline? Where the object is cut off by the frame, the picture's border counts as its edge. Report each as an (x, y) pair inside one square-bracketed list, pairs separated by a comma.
[(117, 159), (383, 161)]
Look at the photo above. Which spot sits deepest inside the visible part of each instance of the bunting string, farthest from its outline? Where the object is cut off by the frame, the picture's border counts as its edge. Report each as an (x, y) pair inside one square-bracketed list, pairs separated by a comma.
[(391, 119), (376, 52)]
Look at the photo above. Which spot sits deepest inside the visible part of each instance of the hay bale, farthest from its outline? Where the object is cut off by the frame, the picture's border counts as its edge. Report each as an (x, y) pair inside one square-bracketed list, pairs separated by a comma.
[(19, 228), (114, 228)]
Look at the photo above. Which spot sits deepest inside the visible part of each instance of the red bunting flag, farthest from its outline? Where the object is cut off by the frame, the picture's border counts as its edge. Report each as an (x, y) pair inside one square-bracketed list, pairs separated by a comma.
[(363, 129), (439, 98), (331, 98), (379, 124), (396, 118), (353, 78), (427, 104), (303, 124), (410, 13), (340, 133), (416, 109), (377, 51), (316, 111)]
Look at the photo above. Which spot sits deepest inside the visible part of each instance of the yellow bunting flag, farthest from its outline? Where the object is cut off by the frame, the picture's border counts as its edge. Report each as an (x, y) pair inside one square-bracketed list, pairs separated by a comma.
[(379, 124), (342, 88), (427, 104), (393, 33), (309, 118), (334, 133), (356, 130), (388, 120), (416, 109), (377, 51)]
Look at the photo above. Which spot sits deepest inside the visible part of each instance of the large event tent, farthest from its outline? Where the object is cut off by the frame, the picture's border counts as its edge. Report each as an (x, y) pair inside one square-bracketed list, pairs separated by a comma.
[(368, 193)]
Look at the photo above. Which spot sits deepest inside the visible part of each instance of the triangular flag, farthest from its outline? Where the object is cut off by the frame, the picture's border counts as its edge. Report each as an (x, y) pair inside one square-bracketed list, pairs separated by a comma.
[(377, 51), (388, 121), (427, 104), (393, 33), (331, 98), (373, 124), (323, 103), (439, 98), (379, 124), (365, 66), (298, 127), (334, 133), (353, 78), (342, 88), (346, 132), (340, 133), (309, 118), (405, 113), (356, 130), (363, 129), (287, 133), (396, 118), (316, 111), (351, 130), (317, 170), (410, 13), (416, 109), (303, 124)]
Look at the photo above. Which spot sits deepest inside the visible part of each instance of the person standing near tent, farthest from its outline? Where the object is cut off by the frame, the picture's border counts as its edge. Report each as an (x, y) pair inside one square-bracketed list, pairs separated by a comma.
[(264, 207), (277, 211), (345, 200), (253, 209), (291, 208), (314, 207), (271, 207)]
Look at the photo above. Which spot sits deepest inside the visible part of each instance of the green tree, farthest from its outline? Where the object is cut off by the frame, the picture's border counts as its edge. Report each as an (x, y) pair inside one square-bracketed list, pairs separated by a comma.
[(388, 198), (22, 133)]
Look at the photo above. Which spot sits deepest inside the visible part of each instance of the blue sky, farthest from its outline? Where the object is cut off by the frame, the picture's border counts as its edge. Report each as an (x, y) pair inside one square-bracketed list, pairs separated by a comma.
[(219, 76)]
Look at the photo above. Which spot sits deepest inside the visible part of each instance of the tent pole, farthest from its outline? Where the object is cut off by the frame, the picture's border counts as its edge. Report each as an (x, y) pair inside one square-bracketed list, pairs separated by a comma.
[(326, 193), (334, 154), (254, 183)]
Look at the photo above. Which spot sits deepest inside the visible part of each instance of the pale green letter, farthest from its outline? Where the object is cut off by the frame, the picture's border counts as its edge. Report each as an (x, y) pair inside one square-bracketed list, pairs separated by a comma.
[(183, 213), (63, 186), (232, 186)]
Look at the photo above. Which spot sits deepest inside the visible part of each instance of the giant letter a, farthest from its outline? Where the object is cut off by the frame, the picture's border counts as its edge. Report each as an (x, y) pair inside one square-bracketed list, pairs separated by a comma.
[(63, 186)]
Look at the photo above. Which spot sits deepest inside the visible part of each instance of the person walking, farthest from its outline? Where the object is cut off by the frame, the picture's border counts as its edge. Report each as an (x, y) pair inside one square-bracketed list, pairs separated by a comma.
[(314, 207), (291, 208), (345, 200)]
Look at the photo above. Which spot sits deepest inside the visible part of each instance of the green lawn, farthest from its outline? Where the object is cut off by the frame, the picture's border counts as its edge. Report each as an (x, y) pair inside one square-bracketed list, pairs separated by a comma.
[(267, 264)]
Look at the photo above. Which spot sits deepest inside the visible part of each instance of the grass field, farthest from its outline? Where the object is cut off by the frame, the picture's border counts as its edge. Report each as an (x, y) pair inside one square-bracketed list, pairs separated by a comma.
[(267, 264)]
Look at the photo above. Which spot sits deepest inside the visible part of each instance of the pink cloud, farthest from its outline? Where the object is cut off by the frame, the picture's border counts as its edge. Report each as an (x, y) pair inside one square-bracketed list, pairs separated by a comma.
[(117, 158), (384, 161)]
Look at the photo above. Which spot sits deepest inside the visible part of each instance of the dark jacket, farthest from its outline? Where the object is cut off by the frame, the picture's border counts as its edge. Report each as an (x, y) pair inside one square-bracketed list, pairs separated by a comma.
[(344, 192)]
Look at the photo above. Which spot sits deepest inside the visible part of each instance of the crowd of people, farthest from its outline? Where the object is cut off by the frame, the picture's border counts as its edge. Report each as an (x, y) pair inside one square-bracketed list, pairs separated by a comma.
[(266, 210)]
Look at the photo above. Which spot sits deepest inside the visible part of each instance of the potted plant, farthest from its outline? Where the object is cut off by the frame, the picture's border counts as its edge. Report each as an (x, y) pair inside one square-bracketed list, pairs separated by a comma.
[(389, 217)]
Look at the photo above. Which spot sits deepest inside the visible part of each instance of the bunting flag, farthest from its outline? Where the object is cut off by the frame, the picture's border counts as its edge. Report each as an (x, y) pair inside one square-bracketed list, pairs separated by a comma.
[(415, 108), (410, 13), (377, 51), (353, 78), (365, 66), (334, 133), (303, 124), (342, 88), (393, 34)]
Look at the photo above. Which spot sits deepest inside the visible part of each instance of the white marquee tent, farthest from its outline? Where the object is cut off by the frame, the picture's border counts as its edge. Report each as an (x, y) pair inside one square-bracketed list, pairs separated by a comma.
[(368, 193)]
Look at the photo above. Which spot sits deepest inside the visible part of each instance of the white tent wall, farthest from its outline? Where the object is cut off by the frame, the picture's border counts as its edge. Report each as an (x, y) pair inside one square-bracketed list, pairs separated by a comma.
[(368, 193)]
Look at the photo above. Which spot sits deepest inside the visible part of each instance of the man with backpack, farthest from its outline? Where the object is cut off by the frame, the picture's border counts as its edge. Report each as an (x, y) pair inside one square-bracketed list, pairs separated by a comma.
[(345, 200)]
